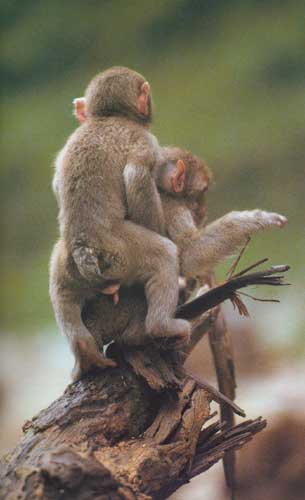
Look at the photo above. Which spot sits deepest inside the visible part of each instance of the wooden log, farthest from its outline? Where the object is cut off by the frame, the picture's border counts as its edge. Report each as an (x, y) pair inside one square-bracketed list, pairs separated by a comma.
[(137, 431), (109, 436)]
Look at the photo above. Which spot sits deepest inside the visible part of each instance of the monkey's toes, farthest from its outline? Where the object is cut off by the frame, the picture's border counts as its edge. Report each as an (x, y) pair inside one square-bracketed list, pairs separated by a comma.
[(270, 219), (179, 335), (276, 219), (282, 220), (85, 366)]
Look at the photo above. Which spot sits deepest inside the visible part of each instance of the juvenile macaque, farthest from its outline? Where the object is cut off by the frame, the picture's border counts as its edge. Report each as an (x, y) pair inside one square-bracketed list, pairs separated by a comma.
[(183, 180), (99, 247)]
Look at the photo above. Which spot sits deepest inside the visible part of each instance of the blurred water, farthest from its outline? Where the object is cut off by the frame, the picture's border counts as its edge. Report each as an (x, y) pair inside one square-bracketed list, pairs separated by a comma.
[(33, 372)]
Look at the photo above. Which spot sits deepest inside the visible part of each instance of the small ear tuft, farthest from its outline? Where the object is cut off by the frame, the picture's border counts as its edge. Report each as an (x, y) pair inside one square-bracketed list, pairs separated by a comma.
[(80, 109), (143, 98), (145, 89), (178, 177)]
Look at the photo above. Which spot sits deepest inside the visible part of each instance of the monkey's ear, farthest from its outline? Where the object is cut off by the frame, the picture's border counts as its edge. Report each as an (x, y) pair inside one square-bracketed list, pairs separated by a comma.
[(178, 177), (80, 110), (143, 99)]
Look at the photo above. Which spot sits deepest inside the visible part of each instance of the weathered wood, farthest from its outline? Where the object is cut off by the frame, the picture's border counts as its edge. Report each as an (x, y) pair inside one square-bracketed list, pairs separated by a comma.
[(109, 437), (137, 431), (222, 352)]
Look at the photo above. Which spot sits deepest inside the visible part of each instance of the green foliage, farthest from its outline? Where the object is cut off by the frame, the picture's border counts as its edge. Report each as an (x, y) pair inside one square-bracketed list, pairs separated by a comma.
[(227, 81)]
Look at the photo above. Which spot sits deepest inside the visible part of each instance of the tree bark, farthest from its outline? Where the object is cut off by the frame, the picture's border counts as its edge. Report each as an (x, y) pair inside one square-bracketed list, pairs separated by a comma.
[(137, 431), (110, 436)]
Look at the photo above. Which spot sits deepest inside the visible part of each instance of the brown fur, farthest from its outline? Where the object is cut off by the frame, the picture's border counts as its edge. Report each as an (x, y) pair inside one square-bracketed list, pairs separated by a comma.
[(95, 236), (103, 172), (200, 249)]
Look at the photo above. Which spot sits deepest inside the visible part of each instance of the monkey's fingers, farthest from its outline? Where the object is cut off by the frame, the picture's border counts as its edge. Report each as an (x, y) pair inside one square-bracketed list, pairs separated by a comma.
[(111, 289), (174, 342), (88, 359), (116, 298)]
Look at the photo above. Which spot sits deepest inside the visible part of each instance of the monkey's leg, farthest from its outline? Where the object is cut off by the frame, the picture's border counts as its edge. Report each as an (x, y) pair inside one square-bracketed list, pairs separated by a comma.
[(152, 260), (223, 237), (66, 297), (83, 345)]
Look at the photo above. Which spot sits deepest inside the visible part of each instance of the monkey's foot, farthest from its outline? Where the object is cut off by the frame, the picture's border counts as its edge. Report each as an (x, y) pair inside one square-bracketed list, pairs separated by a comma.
[(174, 335), (264, 219), (88, 359)]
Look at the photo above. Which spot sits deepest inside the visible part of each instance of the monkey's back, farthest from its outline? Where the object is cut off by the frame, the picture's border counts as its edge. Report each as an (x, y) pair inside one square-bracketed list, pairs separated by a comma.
[(91, 185)]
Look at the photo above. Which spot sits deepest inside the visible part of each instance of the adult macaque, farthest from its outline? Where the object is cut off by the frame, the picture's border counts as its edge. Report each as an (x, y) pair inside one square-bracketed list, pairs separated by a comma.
[(98, 245)]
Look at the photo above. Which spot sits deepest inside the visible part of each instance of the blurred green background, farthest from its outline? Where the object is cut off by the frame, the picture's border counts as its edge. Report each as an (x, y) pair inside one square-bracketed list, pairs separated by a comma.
[(228, 83)]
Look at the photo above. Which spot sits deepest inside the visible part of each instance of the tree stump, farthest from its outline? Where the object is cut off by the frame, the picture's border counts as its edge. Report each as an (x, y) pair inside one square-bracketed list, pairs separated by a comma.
[(137, 431), (110, 436)]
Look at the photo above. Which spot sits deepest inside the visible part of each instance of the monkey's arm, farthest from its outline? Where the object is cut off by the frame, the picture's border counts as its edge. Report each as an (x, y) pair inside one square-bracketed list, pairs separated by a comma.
[(180, 225), (223, 237), (143, 200)]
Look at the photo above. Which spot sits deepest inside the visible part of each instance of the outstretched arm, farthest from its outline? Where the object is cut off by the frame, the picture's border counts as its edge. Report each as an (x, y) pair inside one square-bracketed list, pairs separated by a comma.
[(223, 237)]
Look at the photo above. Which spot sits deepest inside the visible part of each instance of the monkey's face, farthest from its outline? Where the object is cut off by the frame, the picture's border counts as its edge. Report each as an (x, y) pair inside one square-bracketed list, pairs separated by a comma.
[(197, 182), (190, 174), (120, 91), (198, 177)]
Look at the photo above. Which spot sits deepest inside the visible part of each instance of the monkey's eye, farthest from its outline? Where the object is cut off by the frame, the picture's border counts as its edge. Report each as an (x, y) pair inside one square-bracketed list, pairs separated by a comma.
[(194, 195)]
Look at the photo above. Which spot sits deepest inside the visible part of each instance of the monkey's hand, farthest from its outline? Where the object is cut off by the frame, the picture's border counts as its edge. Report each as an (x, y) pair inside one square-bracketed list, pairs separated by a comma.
[(259, 219), (88, 263), (223, 237), (113, 290), (88, 358)]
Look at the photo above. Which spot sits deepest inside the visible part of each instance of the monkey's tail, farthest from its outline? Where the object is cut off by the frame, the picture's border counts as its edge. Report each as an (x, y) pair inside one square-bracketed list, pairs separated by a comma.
[(229, 290)]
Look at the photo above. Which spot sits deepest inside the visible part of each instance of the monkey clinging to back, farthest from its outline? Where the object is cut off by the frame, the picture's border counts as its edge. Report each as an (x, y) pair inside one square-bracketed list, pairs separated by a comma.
[(97, 243), (182, 179)]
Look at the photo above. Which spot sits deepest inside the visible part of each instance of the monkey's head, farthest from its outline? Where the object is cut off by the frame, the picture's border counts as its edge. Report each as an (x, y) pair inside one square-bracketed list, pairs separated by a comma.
[(119, 91), (183, 174)]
